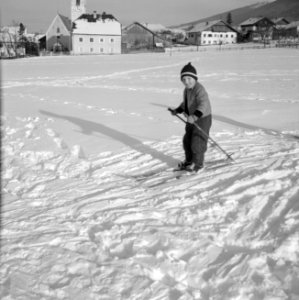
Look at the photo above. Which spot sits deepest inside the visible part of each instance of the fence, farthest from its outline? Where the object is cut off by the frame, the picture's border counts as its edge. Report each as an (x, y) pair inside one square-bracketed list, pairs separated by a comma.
[(294, 43), (219, 47)]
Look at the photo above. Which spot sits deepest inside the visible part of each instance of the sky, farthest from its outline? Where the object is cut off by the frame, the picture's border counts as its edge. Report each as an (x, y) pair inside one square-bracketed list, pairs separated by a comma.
[(37, 15)]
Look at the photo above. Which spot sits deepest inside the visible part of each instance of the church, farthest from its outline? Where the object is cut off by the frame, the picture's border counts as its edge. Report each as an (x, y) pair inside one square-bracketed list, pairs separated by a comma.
[(84, 33)]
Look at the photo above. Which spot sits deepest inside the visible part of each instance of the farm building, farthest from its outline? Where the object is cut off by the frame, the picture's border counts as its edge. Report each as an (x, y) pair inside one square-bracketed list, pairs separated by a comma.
[(287, 32), (137, 37), (58, 35), (211, 33), (257, 29)]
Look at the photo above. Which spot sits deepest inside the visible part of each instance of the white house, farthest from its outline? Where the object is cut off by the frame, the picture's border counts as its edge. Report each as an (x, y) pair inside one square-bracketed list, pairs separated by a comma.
[(96, 34), (212, 33)]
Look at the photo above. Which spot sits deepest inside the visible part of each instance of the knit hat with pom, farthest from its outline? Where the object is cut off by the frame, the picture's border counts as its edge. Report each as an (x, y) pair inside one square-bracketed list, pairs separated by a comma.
[(189, 70)]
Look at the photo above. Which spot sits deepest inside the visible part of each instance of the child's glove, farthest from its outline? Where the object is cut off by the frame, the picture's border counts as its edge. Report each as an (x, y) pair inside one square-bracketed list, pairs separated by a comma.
[(173, 111), (191, 119)]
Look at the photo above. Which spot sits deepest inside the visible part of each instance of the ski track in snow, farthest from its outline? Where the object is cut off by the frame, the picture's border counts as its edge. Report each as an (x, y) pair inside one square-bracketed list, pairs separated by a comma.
[(121, 225)]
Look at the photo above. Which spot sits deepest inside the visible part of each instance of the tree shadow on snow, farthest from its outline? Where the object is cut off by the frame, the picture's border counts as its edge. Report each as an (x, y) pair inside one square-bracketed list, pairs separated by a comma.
[(89, 127)]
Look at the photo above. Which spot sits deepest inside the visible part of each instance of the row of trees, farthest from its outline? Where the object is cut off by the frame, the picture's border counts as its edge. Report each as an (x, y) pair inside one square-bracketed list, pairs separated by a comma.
[(16, 44)]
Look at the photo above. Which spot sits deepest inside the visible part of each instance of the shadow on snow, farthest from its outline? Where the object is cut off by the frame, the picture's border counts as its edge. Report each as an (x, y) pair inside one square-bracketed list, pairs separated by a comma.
[(89, 127)]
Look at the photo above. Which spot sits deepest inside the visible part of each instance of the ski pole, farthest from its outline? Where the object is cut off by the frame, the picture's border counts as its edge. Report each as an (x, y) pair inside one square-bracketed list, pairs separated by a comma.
[(208, 138)]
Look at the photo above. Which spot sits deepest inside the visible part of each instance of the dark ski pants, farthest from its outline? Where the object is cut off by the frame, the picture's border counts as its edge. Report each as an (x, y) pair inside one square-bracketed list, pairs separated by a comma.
[(195, 144)]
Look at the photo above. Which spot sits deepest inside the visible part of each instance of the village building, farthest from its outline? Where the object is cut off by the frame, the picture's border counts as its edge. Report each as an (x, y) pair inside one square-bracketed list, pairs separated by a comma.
[(212, 33), (287, 32), (96, 34), (84, 33), (257, 29), (59, 35), (138, 36)]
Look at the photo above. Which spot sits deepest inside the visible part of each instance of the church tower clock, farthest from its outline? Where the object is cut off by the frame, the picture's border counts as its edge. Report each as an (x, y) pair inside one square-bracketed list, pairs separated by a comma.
[(77, 9)]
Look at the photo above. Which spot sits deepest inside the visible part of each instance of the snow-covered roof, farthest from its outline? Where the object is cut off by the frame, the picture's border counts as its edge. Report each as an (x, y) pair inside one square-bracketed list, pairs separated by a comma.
[(66, 21), (140, 25), (292, 25), (97, 24), (254, 21), (155, 27), (250, 21), (206, 26), (95, 16), (280, 20), (203, 26)]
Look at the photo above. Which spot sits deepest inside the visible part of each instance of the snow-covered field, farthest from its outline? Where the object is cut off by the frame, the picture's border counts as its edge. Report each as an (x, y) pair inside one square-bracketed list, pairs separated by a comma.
[(91, 208)]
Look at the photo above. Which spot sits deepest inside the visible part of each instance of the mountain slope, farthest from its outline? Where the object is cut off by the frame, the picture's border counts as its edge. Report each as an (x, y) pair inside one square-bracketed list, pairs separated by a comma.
[(288, 9)]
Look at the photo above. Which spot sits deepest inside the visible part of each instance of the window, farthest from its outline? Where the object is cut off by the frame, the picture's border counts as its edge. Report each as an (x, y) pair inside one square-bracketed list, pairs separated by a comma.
[(101, 40), (220, 35), (91, 40), (101, 50), (58, 30), (204, 35), (232, 35), (80, 39), (111, 40), (91, 50)]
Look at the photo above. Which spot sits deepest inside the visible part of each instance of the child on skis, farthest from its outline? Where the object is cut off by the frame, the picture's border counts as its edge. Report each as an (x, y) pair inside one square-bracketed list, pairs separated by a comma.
[(197, 109)]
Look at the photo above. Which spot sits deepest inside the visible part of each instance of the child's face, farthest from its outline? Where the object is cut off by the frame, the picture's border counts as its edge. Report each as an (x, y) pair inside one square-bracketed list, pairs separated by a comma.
[(189, 82)]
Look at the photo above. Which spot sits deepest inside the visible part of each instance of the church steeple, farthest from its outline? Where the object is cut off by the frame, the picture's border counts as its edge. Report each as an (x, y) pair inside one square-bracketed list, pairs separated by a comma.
[(78, 7)]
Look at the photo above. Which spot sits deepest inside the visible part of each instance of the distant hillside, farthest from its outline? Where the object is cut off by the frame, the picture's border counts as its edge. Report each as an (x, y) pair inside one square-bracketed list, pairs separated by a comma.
[(288, 9)]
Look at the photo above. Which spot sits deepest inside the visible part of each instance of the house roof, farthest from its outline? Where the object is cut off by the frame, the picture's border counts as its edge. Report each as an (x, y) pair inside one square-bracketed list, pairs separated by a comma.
[(254, 21), (205, 26), (92, 18), (251, 21), (141, 25), (97, 24), (66, 21), (155, 27), (292, 25), (278, 20)]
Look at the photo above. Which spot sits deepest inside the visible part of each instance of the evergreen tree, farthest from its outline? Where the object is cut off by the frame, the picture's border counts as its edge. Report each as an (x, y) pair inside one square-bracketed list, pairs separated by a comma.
[(22, 29), (229, 19)]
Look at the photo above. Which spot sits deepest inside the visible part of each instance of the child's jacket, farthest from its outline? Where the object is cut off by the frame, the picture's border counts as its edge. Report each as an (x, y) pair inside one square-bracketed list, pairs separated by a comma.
[(195, 99)]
